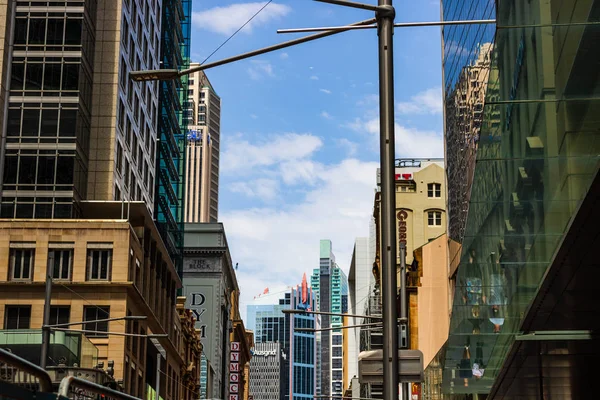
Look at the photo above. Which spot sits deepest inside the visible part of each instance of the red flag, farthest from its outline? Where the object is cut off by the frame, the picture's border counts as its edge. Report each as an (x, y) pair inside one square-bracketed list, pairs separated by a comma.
[(266, 291)]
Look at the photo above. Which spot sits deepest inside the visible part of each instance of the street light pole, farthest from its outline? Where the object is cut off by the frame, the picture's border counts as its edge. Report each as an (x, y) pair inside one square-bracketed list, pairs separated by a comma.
[(385, 31)]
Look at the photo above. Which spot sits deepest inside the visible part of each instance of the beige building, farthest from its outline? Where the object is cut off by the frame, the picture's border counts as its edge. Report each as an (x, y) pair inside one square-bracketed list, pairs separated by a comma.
[(102, 268), (420, 203), (203, 113)]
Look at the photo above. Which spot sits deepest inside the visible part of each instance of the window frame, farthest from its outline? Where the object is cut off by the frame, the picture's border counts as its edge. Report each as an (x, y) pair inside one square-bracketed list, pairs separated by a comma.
[(434, 190), (12, 260), (96, 326), (8, 307), (434, 216), (62, 250), (90, 267)]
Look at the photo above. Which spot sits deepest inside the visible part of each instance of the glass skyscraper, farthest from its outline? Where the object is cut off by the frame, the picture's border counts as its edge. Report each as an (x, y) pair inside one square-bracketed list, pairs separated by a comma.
[(534, 184), (298, 349), (330, 284)]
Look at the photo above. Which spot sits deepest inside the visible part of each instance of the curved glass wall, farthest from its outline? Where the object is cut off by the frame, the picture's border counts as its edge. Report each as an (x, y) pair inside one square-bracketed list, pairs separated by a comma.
[(537, 153)]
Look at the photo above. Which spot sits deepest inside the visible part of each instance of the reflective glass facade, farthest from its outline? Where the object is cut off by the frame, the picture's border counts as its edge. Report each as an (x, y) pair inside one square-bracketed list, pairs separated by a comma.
[(537, 152), (330, 285), (172, 127), (303, 348)]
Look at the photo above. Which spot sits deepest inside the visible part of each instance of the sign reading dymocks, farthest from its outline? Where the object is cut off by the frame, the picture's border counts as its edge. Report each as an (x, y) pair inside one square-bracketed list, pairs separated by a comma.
[(402, 217)]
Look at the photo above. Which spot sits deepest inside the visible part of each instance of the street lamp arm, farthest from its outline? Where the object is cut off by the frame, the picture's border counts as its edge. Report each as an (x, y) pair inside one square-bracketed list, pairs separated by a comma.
[(170, 74), (159, 335), (334, 328)]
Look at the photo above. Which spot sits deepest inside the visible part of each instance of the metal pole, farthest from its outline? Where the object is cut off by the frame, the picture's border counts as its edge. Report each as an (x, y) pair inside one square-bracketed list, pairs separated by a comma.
[(404, 334), (45, 329), (385, 23)]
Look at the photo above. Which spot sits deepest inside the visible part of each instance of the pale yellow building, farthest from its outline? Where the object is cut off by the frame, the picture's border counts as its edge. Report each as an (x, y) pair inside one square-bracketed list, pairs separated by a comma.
[(101, 269), (420, 203)]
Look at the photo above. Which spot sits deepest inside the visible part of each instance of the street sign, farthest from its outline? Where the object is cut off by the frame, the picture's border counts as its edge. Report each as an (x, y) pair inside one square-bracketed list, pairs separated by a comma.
[(410, 366)]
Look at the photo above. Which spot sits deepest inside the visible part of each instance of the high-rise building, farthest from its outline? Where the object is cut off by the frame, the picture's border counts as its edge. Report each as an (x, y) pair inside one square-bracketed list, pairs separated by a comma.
[(297, 364), (265, 368), (176, 26), (76, 128), (527, 269), (271, 325), (360, 284), (203, 116), (331, 288)]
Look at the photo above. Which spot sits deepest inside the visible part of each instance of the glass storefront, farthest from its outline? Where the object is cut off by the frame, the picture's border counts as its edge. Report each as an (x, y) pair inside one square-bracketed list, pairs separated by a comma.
[(537, 153)]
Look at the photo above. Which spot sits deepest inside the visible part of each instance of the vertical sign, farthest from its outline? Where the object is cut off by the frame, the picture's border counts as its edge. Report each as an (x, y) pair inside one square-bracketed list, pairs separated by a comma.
[(416, 391), (234, 371)]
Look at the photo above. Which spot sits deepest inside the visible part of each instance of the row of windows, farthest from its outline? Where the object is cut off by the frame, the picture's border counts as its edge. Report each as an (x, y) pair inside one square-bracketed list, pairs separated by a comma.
[(60, 262), (19, 317)]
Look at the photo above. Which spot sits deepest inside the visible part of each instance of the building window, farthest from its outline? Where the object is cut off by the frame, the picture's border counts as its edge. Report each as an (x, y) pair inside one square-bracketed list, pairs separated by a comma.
[(17, 317), (61, 261), (21, 264), (434, 190), (99, 263), (60, 315), (94, 313), (434, 218)]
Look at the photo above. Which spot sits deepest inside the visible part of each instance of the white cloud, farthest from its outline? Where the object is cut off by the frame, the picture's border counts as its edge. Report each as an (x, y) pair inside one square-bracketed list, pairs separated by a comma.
[(300, 172), (260, 68), (326, 91), (351, 147), (284, 56), (240, 155), (274, 247), (226, 20), (314, 78), (264, 189), (326, 115), (410, 142), (253, 116), (425, 102)]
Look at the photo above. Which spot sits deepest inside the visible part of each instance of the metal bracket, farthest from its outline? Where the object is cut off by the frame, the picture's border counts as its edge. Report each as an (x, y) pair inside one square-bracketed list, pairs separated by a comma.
[(386, 11)]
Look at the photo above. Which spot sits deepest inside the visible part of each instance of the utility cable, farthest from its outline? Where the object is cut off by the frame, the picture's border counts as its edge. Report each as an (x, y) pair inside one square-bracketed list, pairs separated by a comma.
[(236, 32)]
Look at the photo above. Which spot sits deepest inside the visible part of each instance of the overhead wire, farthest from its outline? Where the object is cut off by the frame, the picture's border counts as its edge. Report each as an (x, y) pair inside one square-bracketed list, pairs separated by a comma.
[(236, 32)]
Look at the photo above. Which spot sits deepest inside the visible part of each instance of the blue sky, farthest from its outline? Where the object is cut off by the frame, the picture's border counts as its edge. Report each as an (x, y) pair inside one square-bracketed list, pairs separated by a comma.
[(299, 129)]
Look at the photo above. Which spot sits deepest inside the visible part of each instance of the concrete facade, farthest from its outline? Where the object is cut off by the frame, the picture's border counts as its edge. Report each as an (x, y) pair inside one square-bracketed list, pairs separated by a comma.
[(203, 113), (210, 286)]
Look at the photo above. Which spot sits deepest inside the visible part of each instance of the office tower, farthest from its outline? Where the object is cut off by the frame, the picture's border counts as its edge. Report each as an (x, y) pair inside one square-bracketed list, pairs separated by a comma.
[(360, 284), (298, 349), (527, 261), (203, 116), (265, 368), (172, 126), (76, 128), (331, 287)]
